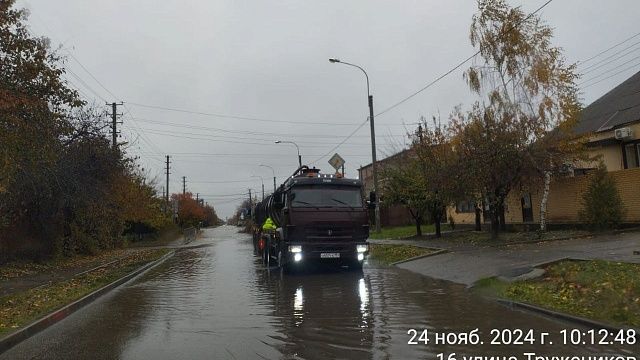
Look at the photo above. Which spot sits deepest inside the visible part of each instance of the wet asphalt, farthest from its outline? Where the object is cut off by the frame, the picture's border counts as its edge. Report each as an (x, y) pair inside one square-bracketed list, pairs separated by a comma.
[(216, 301)]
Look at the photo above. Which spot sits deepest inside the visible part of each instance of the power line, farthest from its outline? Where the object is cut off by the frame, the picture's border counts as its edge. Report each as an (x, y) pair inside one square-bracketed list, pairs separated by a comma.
[(340, 143), (610, 70), (459, 65), (604, 61), (612, 75), (223, 182), (222, 195), (248, 132), (92, 76), (183, 154), (608, 49), (238, 117), (85, 84), (215, 137)]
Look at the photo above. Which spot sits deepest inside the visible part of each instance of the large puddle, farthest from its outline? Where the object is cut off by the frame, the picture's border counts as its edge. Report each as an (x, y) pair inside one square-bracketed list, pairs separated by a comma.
[(217, 302)]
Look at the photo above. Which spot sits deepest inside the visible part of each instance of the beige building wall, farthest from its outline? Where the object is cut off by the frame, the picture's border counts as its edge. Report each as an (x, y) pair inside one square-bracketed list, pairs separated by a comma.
[(460, 218), (565, 199), (611, 154)]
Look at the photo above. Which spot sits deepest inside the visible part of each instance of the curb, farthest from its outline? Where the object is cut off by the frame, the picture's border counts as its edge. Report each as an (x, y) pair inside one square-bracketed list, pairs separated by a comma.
[(562, 316), (429, 236), (541, 241), (438, 252), (35, 327)]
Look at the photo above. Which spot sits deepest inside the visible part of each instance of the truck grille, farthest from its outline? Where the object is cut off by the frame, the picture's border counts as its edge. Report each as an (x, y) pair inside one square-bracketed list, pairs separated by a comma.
[(331, 248), (329, 232)]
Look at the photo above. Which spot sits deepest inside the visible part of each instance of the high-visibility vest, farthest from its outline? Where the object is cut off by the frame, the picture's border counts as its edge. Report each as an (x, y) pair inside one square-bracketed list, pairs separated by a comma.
[(269, 225)]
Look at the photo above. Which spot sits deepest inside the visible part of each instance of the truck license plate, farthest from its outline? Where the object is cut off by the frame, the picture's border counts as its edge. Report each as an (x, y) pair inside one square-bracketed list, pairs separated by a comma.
[(329, 255)]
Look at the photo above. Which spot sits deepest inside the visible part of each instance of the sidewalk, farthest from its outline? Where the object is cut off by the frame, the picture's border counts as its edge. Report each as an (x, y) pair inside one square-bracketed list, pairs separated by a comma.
[(467, 263)]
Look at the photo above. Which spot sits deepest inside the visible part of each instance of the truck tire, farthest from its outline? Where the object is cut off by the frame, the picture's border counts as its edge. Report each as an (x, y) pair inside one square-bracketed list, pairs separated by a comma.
[(255, 244), (282, 264), (266, 252), (355, 265)]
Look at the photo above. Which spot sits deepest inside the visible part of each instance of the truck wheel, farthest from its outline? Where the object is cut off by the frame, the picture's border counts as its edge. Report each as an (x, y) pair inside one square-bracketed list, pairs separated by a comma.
[(265, 253), (281, 264), (255, 244), (355, 265)]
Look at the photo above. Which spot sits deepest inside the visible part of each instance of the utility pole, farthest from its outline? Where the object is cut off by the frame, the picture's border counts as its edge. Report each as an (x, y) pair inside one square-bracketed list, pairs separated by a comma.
[(262, 191), (274, 175), (373, 158), (184, 185), (114, 124), (373, 140), (197, 197), (166, 199)]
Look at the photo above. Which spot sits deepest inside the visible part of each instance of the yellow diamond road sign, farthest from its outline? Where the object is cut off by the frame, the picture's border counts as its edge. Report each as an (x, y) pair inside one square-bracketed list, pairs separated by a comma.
[(336, 161)]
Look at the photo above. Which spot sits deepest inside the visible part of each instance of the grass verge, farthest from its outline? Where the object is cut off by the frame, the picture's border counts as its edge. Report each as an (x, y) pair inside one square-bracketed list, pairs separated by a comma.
[(27, 268), (599, 290), (388, 254), (18, 310), (399, 232)]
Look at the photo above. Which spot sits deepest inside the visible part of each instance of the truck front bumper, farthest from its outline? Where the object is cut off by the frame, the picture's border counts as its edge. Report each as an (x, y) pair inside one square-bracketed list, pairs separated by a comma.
[(329, 252)]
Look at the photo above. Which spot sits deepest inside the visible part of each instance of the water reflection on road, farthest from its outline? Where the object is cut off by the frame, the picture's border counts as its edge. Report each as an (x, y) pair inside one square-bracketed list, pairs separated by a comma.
[(217, 302)]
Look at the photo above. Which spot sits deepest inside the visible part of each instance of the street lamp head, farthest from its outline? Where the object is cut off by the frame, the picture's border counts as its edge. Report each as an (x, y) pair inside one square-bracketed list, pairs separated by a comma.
[(334, 60), (278, 141)]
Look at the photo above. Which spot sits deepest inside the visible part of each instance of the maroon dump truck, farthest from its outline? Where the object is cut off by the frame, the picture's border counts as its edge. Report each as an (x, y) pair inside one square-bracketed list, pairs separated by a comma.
[(318, 217)]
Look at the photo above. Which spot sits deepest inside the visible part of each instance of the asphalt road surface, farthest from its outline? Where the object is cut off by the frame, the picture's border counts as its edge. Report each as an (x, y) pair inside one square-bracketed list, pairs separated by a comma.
[(217, 302)]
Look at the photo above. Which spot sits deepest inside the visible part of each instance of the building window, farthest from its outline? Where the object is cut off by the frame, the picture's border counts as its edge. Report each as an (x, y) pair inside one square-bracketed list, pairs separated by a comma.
[(582, 171), (467, 206), (631, 155)]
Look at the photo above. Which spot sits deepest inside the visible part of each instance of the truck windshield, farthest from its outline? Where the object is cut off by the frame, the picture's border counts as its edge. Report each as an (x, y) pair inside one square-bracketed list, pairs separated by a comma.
[(326, 197)]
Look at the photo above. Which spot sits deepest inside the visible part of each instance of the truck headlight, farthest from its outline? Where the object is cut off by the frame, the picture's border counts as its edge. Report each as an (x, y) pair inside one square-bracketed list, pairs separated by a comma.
[(295, 249), (362, 248)]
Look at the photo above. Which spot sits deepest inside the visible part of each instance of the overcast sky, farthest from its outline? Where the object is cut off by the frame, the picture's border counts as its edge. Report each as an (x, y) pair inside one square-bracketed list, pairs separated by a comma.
[(265, 63)]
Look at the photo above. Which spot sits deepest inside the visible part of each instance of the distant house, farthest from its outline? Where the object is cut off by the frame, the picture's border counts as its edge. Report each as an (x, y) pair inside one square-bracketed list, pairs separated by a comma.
[(612, 126), (394, 215)]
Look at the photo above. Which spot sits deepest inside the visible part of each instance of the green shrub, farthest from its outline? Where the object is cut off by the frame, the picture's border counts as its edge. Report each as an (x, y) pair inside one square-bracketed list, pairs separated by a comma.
[(602, 205)]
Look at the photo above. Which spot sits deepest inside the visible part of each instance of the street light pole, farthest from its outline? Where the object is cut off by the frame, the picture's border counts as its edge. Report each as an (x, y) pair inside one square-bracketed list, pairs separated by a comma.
[(262, 181), (297, 148), (373, 141), (274, 176)]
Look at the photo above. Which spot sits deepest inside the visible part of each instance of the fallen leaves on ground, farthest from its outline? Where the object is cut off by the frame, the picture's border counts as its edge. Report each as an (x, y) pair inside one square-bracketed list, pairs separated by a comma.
[(601, 290), (19, 309), (392, 253)]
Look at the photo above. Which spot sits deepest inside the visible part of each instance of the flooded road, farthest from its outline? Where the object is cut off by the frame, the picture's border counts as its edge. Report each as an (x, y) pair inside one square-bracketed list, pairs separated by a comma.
[(217, 302)]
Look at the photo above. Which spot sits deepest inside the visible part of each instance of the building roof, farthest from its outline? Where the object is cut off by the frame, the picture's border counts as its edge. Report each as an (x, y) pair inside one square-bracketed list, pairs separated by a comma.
[(618, 107), (387, 159)]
